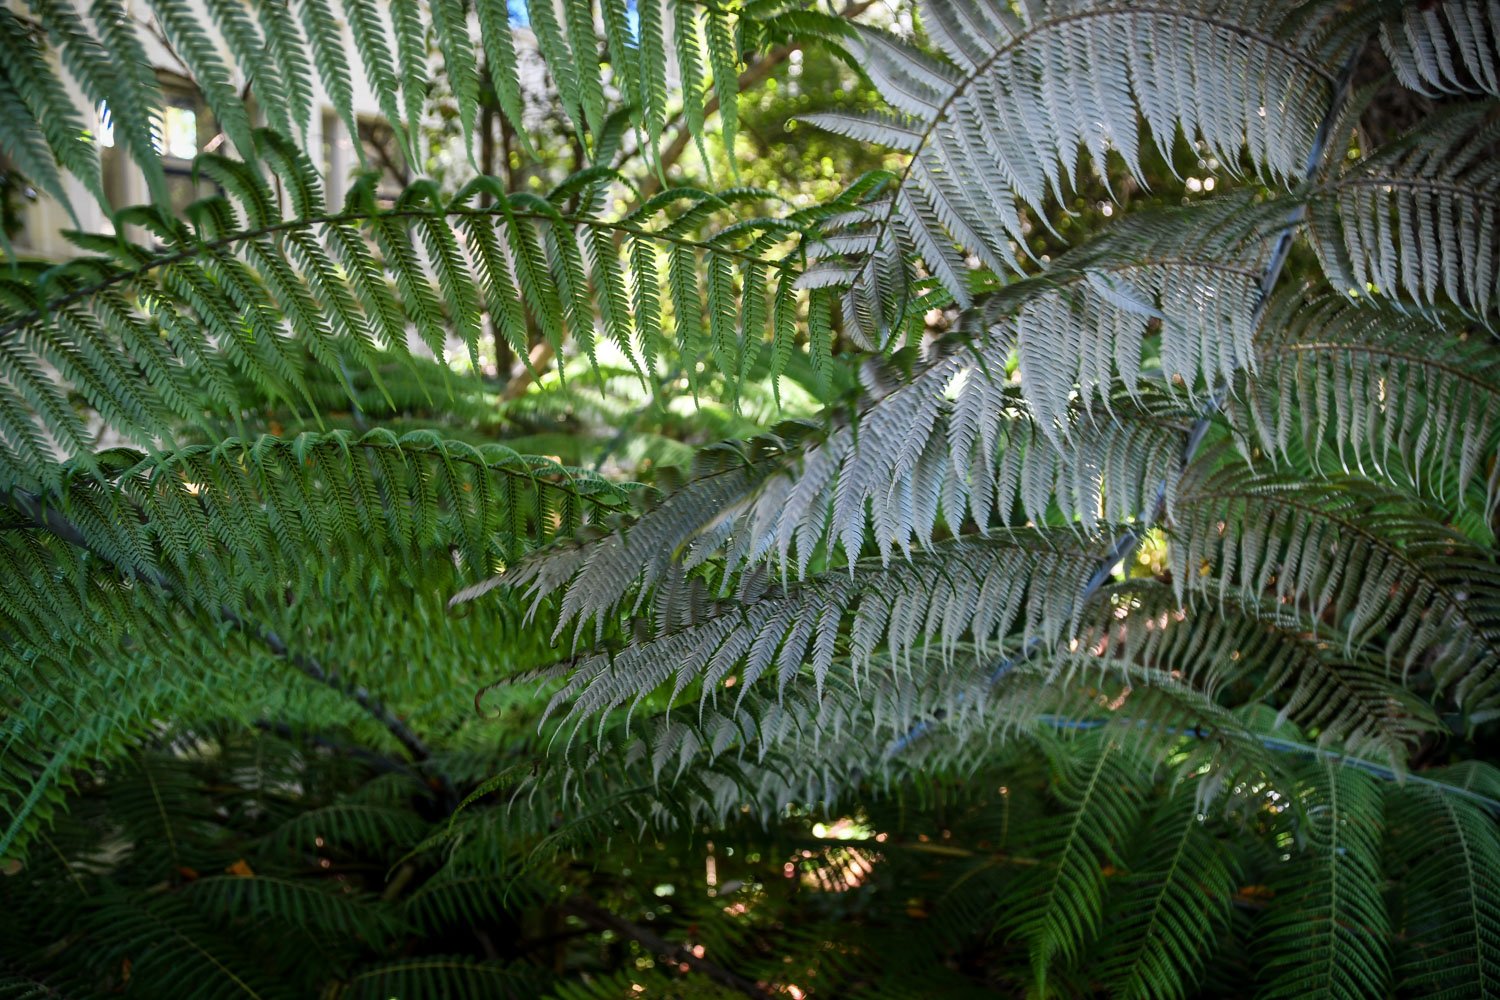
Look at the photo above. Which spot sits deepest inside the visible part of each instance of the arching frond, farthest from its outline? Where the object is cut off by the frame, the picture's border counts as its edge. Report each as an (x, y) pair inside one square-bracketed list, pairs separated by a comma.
[(1240, 652), (243, 507), (1372, 563), (1326, 935), (1174, 905), (1444, 48), (915, 453), (1418, 218), (270, 58), (960, 438), (1446, 853), (1389, 394), (369, 827), (166, 943), (1173, 291), (304, 903), (1246, 59), (310, 282), (1059, 910), (956, 591), (444, 975)]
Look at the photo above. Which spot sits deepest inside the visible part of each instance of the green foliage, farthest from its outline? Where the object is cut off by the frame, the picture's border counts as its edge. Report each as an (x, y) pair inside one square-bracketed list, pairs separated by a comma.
[(267, 58), (937, 586)]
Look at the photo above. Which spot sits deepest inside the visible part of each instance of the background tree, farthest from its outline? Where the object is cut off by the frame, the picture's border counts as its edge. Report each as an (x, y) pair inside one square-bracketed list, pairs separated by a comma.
[(1032, 533)]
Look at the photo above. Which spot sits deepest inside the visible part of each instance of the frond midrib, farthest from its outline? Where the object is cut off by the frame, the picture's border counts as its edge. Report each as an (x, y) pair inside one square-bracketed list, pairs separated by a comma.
[(288, 225), (1377, 349)]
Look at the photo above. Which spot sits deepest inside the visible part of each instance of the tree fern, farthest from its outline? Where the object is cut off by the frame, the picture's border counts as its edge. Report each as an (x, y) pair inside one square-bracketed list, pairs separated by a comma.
[(1458, 914), (1115, 608), (1394, 395), (1062, 907), (1448, 48), (1180, 882), (1028, 62), (1413, 218)]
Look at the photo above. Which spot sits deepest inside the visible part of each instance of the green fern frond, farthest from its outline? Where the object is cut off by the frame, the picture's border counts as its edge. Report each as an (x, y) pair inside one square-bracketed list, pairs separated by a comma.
[(1326, 935), (314, 906), (166, 943), (32, 80), (1446, 854), (96, 321), (956, 591), (261, 48), (1165, 921), (1060, 909), (443, 975)]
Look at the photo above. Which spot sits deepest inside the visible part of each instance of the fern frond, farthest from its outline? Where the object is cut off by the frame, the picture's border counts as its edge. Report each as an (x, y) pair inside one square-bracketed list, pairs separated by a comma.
[(239, 300), (361, 826), (31, 80), (1246, 58), (1387, 394), (1174, 905), (964, 590), (192, 42), (313, 906), (1060, 909), (1444, 49), (243, 39), (294, 59), (167, 944), (1370, 561), (260, 47), (958, 438), (444, 975), (1447, 912), (1418, 218), (1179, 287), (1260, 649), (1325, 937)]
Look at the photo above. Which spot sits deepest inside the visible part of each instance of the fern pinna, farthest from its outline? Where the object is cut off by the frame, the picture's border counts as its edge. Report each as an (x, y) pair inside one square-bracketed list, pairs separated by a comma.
[(1061, 564)]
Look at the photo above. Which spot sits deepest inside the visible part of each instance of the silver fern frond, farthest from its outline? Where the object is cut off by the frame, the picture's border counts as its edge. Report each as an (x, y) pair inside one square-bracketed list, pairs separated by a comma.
[(1379, 566), (1418, 218), (1376, 391), (1265, 71), (1445, 48)]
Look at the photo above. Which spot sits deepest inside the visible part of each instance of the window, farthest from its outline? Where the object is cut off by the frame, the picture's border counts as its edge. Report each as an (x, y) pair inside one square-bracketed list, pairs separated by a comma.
[(382, 152), (187, 129)]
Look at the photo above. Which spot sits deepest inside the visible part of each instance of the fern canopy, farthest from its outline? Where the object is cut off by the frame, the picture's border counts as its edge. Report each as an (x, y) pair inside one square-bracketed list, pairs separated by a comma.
[(584, 541)]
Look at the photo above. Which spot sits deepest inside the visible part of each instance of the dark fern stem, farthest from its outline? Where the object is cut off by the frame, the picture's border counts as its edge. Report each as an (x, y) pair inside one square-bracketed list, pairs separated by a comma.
[(36, 511)]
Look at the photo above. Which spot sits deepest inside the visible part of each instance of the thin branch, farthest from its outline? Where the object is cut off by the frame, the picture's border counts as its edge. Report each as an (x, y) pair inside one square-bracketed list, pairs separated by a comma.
[(35, 509)]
